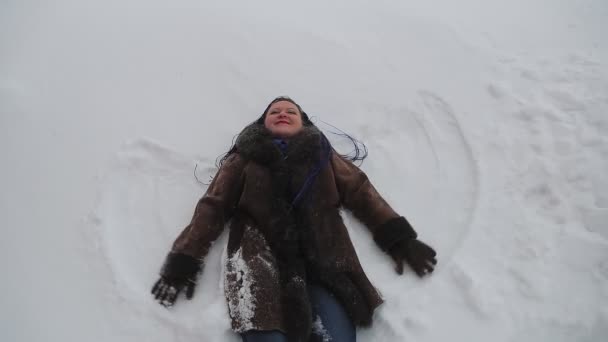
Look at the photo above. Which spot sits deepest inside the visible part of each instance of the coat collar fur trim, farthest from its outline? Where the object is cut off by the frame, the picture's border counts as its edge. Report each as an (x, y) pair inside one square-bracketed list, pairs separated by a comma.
[(255, 142)]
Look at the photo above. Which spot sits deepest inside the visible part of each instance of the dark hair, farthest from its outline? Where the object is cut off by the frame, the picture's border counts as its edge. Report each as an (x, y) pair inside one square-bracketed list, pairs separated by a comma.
[(360, 150)]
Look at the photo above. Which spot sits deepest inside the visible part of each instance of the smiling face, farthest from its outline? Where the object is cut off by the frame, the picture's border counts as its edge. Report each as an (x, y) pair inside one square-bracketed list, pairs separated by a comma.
[(283, 119)]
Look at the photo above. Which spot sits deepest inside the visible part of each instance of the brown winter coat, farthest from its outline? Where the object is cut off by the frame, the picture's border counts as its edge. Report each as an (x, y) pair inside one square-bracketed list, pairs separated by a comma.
[(241, 194)]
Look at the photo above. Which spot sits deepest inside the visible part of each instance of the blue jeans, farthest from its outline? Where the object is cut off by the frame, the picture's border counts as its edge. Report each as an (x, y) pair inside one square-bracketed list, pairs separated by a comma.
[(336, 323)]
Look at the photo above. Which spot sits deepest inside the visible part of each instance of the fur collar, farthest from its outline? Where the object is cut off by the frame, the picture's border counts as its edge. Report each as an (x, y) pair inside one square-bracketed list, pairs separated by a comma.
[(256, 143)]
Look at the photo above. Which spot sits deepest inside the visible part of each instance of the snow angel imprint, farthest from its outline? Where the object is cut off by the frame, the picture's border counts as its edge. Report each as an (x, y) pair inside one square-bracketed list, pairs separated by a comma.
[(292, 273)]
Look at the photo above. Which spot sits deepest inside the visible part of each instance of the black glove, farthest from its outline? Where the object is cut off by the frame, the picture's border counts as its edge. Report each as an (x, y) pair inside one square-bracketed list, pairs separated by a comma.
[(178, 273), (416, 253), (398, 239)]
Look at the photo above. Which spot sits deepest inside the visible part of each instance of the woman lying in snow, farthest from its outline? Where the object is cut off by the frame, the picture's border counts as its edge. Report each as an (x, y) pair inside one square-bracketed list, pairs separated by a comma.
[(292, 272)]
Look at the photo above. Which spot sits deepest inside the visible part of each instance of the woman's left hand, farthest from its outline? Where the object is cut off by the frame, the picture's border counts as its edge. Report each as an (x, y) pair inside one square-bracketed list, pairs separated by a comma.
[(420, 256)]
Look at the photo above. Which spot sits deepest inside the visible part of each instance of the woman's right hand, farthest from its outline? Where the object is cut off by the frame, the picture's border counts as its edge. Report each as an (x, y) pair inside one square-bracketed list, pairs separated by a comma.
[(166, 290), (178, 273)]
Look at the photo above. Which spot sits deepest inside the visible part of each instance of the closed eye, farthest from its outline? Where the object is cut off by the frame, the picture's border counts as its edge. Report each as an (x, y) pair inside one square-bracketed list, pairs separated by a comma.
[(290, 111)]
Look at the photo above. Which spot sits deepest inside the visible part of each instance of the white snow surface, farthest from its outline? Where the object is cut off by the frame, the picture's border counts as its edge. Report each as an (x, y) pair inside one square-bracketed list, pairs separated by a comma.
[(486, 122)]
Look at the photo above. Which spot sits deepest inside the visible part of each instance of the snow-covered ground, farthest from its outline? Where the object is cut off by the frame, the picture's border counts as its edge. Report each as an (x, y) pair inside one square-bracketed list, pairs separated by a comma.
[(486, 121)]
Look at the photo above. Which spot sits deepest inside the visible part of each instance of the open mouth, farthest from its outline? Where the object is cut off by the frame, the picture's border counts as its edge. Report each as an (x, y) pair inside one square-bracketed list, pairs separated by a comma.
[(282, 122)]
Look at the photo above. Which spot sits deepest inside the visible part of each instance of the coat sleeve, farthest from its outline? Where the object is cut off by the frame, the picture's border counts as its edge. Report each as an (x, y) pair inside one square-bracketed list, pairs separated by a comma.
[(213, 210), (358, 195)]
